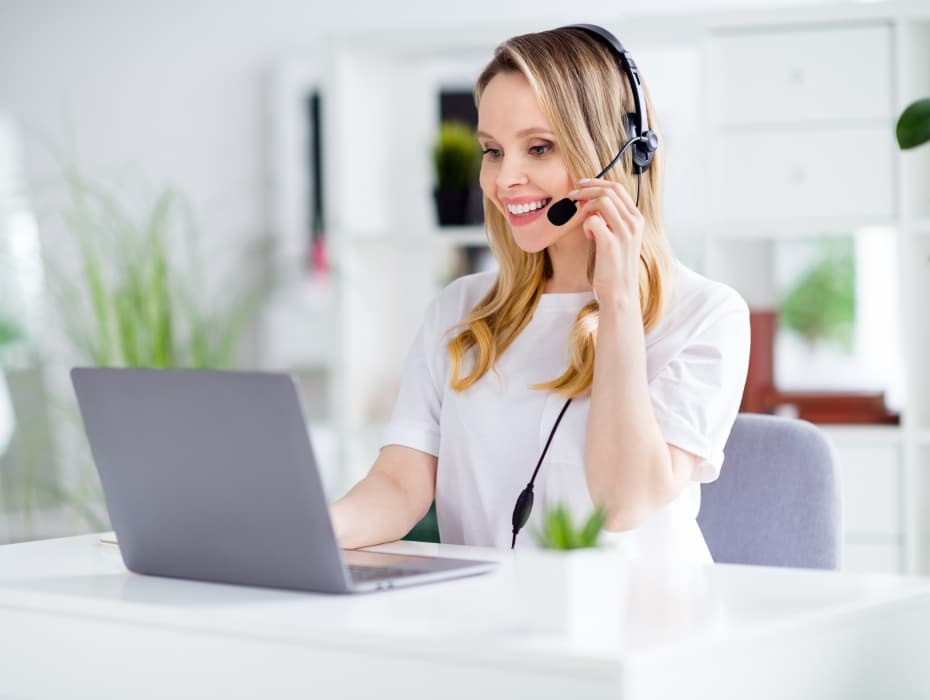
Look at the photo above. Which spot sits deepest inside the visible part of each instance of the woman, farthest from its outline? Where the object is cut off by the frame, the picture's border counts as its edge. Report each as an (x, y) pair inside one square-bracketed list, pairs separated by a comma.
[(596, 310)]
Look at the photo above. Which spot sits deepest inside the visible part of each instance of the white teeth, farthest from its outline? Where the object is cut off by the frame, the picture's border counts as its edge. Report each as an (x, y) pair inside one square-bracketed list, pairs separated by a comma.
[(526, 208)]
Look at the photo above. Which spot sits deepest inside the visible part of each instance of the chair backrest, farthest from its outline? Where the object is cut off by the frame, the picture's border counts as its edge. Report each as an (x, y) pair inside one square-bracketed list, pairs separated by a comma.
[(777, 501)]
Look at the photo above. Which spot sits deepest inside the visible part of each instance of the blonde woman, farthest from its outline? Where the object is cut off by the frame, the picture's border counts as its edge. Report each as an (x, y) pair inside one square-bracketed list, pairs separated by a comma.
[(592, 368)]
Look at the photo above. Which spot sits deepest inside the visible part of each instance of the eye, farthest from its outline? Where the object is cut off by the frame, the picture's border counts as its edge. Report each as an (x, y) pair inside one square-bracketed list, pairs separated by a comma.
[(540, 149), (491, 152)]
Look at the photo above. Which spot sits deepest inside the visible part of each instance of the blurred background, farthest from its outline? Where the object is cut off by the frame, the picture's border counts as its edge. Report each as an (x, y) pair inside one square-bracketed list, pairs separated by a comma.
[(285, 185)]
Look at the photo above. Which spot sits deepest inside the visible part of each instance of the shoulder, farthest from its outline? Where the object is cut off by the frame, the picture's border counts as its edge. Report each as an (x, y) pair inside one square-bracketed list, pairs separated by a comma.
[(457, 298), (696, 305), (462, 294), (699, 294)]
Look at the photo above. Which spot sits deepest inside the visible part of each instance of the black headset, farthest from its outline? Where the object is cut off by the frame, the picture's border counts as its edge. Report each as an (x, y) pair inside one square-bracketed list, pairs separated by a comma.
[(636, 133), (644, 142)]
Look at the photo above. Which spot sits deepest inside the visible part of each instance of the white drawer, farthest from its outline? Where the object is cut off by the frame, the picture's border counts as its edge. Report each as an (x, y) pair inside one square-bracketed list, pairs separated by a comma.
[(802, 75), (871, 483), (785, 174)]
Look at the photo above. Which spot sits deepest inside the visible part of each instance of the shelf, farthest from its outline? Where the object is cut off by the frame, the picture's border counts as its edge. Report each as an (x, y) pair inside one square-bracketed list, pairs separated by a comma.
[(864, 435), (461, 235)]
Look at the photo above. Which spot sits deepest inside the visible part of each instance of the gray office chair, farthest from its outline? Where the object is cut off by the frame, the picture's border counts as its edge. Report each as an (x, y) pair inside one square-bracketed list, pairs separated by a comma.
[(777, 500)]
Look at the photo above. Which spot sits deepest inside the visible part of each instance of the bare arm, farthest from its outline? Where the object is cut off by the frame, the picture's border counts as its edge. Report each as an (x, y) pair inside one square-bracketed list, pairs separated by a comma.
[(629, 467), (389, 501)]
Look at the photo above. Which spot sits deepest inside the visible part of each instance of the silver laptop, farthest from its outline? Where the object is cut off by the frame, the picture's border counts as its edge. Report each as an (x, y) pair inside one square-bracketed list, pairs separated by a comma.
[(210, 475)]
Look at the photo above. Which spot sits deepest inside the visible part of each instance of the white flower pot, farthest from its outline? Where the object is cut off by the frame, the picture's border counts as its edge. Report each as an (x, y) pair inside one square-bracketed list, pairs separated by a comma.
[(580, 593)]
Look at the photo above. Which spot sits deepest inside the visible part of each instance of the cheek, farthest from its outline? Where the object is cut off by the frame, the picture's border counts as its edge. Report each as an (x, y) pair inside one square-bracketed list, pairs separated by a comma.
[(561, 178), (487, 182)]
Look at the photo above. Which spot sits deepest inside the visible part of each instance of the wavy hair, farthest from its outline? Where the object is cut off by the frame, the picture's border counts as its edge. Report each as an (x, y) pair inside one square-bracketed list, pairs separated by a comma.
[(584, 94)]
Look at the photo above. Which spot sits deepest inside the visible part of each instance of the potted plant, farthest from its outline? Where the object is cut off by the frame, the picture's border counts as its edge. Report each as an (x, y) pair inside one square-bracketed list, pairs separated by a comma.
[(572, 585), (456, 161)]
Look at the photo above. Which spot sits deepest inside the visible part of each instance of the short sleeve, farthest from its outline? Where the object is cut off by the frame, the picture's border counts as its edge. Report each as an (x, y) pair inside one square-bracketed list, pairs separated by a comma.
[(696, 396), (415, 419)]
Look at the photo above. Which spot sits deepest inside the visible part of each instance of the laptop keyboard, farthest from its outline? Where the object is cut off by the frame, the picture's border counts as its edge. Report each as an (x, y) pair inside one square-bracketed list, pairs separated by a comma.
[(374, 573)]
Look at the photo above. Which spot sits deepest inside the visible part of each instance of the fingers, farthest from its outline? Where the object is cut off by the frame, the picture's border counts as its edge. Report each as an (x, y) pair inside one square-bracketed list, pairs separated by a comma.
[(615, 187), (610, 200), (618, 217), (596, 229)]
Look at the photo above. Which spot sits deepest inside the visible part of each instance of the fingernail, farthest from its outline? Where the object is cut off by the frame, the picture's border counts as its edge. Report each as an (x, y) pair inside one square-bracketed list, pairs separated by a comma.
[(585, 181), (573, 194)]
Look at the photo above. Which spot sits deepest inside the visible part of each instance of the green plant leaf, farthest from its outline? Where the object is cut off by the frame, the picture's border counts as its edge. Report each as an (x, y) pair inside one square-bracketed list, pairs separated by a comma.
[(137, 303), (822, 303), (592, 528), (913, 128), (559, 531)]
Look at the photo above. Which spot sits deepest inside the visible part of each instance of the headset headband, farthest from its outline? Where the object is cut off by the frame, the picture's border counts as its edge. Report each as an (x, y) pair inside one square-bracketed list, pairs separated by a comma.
[(638, 122)]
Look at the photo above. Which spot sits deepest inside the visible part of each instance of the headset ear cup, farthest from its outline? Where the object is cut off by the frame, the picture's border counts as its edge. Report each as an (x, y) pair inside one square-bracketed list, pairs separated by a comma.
[(644, 150)]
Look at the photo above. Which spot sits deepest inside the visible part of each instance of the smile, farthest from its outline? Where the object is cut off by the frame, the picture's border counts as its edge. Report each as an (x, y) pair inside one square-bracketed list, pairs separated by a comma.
[(528, 207)]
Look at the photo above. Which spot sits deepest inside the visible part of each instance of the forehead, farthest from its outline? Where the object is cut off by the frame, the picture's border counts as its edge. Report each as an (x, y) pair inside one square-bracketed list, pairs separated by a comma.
[(508, 105)]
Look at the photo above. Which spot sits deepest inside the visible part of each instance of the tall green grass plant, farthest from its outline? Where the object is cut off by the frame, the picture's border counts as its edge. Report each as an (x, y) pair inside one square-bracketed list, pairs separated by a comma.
[(137, 297)]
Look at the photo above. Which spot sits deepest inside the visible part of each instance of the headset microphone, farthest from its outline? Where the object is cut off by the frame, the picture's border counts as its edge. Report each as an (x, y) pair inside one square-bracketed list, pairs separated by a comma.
[(560, 212)]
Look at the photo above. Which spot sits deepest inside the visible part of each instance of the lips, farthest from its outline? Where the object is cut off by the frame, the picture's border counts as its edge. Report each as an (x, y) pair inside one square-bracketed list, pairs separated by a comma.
[(520, 209), (525, 210)]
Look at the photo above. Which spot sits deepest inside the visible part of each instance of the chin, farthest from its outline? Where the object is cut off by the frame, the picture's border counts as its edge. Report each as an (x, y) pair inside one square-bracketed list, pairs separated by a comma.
[(531, 244)]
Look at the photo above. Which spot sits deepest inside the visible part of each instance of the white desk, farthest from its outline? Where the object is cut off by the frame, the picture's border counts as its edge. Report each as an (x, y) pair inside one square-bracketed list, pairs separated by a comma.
[(74, 623)]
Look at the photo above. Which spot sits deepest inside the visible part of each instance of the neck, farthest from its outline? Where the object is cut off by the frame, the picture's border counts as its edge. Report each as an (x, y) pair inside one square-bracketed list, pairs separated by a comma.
[(569, 258)]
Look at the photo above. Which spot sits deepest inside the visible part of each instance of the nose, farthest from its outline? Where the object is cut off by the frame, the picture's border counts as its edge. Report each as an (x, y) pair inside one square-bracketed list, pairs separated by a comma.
[(511, 173)]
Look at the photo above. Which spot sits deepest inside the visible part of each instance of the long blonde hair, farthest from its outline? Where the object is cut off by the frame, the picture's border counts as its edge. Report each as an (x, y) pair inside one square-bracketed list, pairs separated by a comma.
[(585, 96)]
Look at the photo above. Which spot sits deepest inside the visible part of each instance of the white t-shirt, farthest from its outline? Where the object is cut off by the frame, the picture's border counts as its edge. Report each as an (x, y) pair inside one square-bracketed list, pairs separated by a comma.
[(489, 437)]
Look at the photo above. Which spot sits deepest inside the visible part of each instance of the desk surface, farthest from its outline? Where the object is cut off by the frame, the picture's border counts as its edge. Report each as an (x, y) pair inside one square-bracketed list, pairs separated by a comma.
[(712, 631)]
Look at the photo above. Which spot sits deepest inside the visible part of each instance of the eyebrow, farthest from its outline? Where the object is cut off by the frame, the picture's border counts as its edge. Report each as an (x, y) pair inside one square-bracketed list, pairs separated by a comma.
[(522, 132)]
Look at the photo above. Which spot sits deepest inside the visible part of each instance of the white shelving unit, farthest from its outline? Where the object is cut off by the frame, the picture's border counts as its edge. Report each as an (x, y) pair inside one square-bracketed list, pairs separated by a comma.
[(800, 116), (778, 165)]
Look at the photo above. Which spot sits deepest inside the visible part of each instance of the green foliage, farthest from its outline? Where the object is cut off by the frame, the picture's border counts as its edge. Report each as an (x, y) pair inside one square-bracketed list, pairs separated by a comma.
[(10, 335), (913, 128), (9, 332), (822, 304), (131, 305), (456, 156), (559, 532)]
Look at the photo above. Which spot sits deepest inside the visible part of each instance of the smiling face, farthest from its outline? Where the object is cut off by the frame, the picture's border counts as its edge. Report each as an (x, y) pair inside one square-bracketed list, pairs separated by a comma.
[(522, 170)]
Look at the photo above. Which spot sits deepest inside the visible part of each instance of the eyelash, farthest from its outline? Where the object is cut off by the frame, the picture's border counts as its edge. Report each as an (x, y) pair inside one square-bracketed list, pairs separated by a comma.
[(495, 152)]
